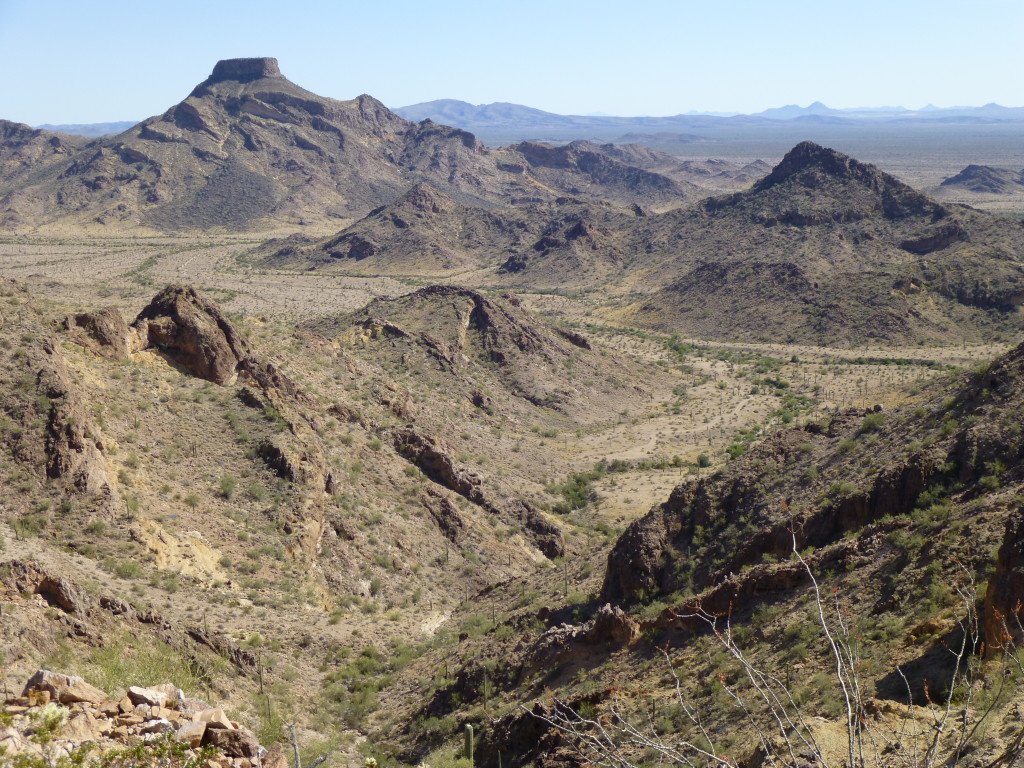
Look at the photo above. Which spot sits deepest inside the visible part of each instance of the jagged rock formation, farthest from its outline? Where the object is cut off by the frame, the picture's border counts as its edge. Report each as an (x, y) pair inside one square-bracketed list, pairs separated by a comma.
[(715, 542), (439, 466), (192, 331), (188, 328)]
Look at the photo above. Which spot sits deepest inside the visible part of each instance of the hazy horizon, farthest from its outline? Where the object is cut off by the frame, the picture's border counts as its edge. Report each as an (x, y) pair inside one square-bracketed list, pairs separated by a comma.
[(86, 64)]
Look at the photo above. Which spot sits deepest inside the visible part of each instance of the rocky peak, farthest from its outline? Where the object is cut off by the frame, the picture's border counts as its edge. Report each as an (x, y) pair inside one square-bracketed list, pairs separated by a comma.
[(244, 70), (847, 188), (808, 157)]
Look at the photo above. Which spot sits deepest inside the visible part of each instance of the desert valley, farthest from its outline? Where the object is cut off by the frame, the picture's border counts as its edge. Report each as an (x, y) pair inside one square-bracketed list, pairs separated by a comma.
[(332, 427)]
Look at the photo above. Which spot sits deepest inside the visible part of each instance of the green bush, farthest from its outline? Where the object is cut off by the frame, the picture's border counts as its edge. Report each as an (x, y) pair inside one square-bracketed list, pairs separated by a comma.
[(227, 486)]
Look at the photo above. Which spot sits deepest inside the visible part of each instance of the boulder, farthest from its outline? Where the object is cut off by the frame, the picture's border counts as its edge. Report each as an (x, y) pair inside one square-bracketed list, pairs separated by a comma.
[(173, 693), (149, 696), (214, 718), (189, 706), (613, 624), (233, 743), (82, 727), (64, 688), (193, 332), (161, 726), (276, 757), (192, 733), (104, 331), (58, 591)]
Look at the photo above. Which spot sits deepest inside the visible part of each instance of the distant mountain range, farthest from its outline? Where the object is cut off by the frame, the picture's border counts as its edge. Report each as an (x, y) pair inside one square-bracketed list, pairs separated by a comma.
[(90, 130), (504, 113), (501, 115)]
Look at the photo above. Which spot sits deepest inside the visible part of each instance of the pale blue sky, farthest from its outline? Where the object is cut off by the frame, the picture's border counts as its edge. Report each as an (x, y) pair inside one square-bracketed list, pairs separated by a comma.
[(67, 62)]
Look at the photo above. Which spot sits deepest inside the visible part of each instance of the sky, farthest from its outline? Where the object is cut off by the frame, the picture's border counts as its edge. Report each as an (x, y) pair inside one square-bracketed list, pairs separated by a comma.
[(109, 60)]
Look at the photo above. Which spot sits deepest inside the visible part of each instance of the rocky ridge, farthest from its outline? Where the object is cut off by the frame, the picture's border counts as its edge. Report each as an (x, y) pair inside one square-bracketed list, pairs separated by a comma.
[(248, 149)]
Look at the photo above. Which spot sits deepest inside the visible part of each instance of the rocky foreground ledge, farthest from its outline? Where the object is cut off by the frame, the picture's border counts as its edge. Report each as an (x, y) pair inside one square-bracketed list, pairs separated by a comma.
[(71, 713)]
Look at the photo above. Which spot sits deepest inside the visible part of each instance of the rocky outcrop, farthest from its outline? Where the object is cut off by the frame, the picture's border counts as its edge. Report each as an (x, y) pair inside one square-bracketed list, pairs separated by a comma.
[(244, 70), (684, 533), (1004, 610), (182, 324), (437, 464), (73, 442), (63, 688), (192, 331), (103, 331)]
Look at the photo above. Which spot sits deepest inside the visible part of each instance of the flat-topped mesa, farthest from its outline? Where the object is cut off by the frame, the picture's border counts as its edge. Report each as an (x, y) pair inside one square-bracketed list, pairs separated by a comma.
[(244, 70)]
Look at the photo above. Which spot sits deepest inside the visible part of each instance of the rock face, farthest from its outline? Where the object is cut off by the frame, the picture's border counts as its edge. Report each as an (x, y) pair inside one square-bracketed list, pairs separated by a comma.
[(184, 325), (104, 331), (244, 70), (73, 444), (194, 332), (1003, 608)]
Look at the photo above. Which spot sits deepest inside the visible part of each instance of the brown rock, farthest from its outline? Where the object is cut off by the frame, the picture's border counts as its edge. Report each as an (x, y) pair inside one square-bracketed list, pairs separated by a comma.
[(172, 692), (81, 727), (192, 706), (192, 733), (38, 698), (276, 757), (192, 331), (233, 742), (58, 591), (104, 331), (157, 726), (153, 698), (613, 624), (1004, 611), (63, 688), (214, 718)]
